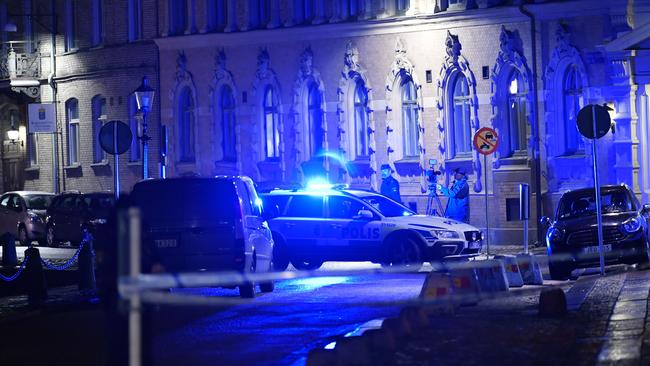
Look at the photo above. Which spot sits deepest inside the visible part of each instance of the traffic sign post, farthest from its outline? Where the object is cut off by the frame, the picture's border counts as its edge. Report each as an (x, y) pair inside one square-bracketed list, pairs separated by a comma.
[(486, 142), (115, 138), (593, 123)]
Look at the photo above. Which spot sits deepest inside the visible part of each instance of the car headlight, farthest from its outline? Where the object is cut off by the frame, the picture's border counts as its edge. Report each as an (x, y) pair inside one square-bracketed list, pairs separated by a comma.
[(35, 218), (632, 225), (98, 221), (556, 234), (445, 234)]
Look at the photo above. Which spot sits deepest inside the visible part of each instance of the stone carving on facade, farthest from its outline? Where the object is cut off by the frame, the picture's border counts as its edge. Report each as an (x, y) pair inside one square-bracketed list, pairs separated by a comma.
[(307, 75), (265, 76), (351, 73), (564, 54), (453, 64), (223, 77), (510, 58), (400, 68)]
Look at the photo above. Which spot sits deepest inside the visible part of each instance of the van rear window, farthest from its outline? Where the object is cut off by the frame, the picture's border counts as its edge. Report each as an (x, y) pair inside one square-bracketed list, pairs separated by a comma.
[(175, 202)]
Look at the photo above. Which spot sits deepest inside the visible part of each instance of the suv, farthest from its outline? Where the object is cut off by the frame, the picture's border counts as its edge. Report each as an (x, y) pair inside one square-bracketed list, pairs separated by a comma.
[(22, 213), (71, 214), (313, 226), (572, 239), (206, 224)]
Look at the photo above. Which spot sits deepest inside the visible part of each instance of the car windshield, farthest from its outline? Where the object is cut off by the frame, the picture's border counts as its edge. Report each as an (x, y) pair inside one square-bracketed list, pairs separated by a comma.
[(386, 206), (38, 201), (583, 203)]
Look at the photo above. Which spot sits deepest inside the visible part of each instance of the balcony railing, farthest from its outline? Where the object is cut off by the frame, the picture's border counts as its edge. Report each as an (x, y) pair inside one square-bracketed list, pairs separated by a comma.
[(19, 59)]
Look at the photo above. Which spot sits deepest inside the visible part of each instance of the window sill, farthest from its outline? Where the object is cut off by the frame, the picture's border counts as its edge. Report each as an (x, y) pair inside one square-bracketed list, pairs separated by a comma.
[(134, 163), (99, 164), (186, 162), (34, 168), (72, 167), (70, 52)]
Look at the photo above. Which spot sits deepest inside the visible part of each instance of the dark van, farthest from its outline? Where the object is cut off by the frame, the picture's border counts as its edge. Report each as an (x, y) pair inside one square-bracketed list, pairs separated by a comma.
[(206, 224)]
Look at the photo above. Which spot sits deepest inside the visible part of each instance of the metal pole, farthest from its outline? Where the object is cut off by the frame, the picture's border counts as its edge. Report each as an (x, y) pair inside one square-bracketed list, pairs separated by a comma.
[(145, 145), (597, 189), (135, 317), (55, 139), (116, 162), (487, 218)]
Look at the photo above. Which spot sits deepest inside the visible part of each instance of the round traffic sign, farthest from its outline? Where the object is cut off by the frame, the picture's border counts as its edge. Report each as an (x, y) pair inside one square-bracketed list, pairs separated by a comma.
[(123, 134), (486, 140), (585, 121)]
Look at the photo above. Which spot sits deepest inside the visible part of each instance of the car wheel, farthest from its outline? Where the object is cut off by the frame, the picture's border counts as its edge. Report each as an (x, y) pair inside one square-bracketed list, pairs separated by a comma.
[(559, 271), (268, 286), (50, 239), (22, 236), (405, 251), (280, 255), (307, 265)]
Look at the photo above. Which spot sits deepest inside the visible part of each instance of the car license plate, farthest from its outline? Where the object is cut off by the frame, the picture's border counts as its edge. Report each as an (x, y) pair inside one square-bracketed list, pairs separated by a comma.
[(475, 245), (166, 243), (606, 248)]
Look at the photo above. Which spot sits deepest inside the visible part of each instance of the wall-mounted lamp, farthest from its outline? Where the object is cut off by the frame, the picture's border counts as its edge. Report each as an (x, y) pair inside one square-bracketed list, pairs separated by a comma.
[(14, 136)]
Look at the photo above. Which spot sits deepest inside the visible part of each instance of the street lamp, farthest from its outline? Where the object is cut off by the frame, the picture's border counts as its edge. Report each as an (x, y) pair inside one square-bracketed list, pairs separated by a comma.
[(144, 98)]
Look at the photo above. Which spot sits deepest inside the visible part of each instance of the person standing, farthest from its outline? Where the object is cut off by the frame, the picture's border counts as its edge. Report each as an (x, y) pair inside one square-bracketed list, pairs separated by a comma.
[(389, 185), (458, 203)]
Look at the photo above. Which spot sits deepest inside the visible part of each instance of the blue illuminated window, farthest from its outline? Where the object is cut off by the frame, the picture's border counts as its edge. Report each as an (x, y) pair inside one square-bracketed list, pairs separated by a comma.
[(361, 119), (186, 125), (134, 152), (217, 14), (99, 118), (401, 6), (70, 39), (460, 117), (72, 122), (410, 127), (98, 22), (305, 206), (260, 13), (271, 119), (517, 121), (228, 124), (135, 20), (573, 101), (178, 17), (315, 115)]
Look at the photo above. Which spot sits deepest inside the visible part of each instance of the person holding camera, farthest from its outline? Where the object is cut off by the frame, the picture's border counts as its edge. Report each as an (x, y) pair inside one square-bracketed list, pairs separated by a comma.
[(458, 203), (389, 185)]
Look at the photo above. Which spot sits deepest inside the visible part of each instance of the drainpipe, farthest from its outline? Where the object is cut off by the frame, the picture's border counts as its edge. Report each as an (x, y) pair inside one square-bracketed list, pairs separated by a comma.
[(538, 164), (52, 84)]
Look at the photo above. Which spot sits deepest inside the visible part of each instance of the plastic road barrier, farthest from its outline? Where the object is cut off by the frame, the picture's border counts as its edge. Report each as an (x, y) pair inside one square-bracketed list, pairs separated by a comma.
[(465, 283), (531, 272), (436, 286), (492, 276), (513, 275)]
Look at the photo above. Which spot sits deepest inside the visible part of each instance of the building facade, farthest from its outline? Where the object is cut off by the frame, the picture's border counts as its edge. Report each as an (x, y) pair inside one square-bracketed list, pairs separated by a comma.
[(288, 90)]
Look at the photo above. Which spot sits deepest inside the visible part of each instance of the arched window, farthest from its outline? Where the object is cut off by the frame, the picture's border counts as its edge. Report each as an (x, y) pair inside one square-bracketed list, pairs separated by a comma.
[(72, 122), (99, 118), (98, 22), (271, 119), (410, 129), (315, 115), (573, 101), (401, 6), (260, 13), (228, 121), (361, 119), (134, 153), (135, 20), (517, 131), (178, 17), (186, 125), (217, 14), (70, 38), (460, 117), (308, 9)]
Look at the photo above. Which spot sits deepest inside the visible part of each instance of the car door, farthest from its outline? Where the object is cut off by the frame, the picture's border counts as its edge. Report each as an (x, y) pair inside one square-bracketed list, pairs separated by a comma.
[(302, 226), (257, 228), (63, 219), (350, 236), (14, 214), (5, 213)]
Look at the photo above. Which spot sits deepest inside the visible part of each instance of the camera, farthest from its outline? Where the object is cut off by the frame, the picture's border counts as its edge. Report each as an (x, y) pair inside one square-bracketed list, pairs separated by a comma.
[(432, 174)]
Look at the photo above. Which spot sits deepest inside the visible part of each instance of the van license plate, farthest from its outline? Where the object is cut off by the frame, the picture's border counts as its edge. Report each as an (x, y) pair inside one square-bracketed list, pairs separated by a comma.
[(475, 245), (606, 248), (166, 243)]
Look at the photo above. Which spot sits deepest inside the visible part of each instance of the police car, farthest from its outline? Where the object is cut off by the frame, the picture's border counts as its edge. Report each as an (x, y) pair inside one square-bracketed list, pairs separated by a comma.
[(321, 224)]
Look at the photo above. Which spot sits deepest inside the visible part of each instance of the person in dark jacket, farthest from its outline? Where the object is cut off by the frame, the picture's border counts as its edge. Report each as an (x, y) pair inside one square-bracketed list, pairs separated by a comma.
[(389, 185), (458, 203)]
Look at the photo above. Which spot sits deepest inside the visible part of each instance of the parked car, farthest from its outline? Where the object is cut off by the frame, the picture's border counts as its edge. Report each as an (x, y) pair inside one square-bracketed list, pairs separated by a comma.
[(572, 238), (206, 224), (312, 226), (71, 214), (22, 214)]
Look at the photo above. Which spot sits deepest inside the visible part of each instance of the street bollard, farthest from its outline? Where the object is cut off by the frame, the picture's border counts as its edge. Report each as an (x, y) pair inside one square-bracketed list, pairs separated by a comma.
[(35, 278), (86, 269), (9, 257)]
